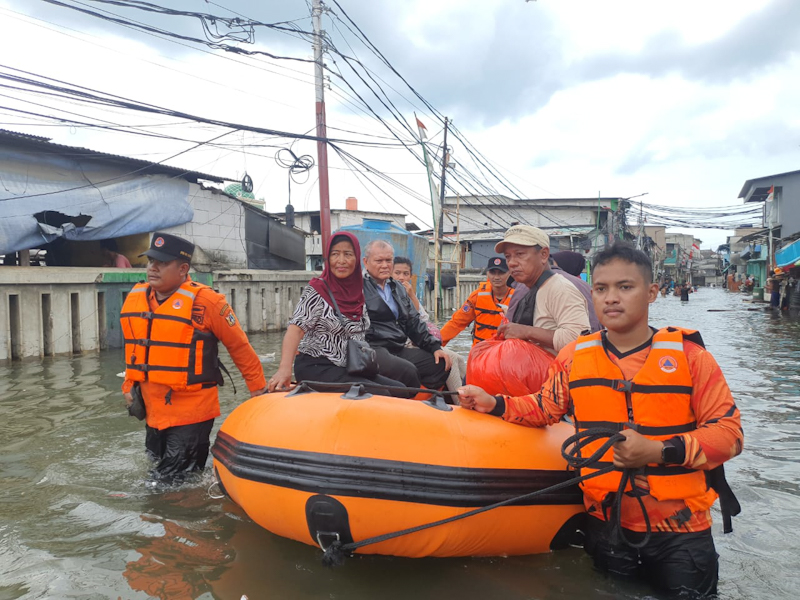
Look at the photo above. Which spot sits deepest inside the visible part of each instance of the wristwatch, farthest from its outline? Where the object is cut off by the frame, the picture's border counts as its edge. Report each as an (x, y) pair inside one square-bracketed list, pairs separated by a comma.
[(669, 453)]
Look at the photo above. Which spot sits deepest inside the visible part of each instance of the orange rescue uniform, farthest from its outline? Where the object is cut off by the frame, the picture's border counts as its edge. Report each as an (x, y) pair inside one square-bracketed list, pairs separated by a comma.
[(482, 308), (678, 391), (177, 341)]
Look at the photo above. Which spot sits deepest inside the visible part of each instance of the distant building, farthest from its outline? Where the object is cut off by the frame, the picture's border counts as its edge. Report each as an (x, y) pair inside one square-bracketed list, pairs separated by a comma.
[(682, 256), (578, 224), (309, 222), (778, 242)]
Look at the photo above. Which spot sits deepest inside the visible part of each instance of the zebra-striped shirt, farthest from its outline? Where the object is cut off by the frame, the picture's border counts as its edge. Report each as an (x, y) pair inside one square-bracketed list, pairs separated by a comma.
[(325, 334)]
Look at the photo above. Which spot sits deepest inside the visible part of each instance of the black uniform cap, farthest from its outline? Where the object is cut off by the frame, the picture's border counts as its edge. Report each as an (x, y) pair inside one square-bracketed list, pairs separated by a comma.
[(498, 263), (166, 247)]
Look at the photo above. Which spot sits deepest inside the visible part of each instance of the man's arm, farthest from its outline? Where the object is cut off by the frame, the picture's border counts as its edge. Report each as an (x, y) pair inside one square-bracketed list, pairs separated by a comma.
[(565, 305), (719, 435), (415, 329), (460, 319), (545, 407), (537, 335), (222, 322)]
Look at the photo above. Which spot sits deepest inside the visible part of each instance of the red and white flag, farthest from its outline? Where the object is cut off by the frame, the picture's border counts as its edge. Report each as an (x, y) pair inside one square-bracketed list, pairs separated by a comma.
[(770, 196), (423, 131)]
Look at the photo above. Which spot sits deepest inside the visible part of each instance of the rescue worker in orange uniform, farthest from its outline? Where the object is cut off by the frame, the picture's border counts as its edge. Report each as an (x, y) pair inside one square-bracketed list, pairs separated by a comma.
[(667, 396), (485, 306), (172, 326)]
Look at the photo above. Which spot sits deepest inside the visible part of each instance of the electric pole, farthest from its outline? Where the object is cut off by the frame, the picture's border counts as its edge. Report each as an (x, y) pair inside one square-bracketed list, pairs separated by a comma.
[(322, 132), (439, 231)]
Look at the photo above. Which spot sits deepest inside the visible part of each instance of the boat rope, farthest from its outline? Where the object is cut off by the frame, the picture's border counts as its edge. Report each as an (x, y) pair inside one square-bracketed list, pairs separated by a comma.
[(334, 554), (359, 388)]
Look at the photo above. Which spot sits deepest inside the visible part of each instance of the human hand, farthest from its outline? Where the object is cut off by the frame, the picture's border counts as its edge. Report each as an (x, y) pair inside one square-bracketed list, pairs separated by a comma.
[(408, 288), (255, 393), (280, 381), (128, 398), (475, 398), (636, 450), (511, 331), (448, 362)]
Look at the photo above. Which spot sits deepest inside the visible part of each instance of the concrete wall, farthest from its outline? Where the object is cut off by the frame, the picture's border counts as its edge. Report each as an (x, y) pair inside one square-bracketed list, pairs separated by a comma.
[(217, 227), (47, 311)]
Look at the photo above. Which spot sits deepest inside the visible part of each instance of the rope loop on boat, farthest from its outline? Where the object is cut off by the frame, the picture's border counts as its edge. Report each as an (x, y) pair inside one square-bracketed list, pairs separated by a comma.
[(335, 553)]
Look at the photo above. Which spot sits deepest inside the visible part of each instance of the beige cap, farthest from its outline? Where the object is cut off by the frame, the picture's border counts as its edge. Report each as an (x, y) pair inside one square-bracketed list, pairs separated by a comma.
[(524, 235)]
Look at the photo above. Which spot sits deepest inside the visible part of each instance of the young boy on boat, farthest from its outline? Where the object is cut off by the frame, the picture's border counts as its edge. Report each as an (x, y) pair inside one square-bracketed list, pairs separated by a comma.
[(667, 396)]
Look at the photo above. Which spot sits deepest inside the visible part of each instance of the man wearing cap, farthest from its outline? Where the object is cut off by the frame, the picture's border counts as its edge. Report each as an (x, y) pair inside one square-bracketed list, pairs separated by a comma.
[(172, 326), (553, 312), (485, 306)]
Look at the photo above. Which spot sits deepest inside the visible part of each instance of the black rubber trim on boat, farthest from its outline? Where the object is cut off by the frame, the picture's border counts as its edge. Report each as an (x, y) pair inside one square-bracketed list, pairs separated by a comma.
[(336, 475)]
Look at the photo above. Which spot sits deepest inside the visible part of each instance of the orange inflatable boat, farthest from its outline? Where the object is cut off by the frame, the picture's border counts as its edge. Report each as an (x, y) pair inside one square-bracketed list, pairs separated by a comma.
[(317, 467)]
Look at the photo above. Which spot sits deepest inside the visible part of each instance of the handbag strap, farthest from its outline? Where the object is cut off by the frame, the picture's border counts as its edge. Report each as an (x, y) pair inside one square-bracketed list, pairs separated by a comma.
[(339, 314)]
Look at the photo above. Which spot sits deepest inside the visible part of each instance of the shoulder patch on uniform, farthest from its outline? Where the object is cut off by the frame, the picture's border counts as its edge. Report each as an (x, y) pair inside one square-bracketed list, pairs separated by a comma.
[(198, 313), (467, 306), (231, 319), (223, 309)]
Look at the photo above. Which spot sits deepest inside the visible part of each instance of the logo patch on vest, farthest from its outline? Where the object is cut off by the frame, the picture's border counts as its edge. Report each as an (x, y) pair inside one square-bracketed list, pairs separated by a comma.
[(668, 364), (177, 304), (159, 241), (231, 319), (467, 307)]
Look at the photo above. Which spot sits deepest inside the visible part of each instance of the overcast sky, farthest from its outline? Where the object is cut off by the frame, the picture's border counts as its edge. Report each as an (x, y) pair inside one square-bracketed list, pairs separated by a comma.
[(683, 100)]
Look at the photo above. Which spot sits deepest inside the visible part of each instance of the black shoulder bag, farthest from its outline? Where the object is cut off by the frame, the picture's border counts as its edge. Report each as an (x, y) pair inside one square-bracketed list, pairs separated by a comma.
[(361, 358)]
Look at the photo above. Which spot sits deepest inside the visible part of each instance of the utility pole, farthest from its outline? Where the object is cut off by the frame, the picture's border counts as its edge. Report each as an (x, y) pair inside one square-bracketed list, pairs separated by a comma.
[(322, 132), (438, 232)]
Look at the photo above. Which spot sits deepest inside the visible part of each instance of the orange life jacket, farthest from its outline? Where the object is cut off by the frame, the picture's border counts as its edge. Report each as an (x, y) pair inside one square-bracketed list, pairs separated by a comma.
[(656, 403), (164, 346), (488, 313)]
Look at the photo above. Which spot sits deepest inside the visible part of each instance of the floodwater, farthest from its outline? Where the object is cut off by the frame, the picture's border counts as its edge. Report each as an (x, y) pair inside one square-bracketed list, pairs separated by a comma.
[(76, 520)]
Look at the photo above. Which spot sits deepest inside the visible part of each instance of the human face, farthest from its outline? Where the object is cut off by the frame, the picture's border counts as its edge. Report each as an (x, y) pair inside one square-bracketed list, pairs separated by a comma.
[(342, 259), (401, 273), (166, 276), (622, 296), (379, 263), (526, 263), (498, 279)]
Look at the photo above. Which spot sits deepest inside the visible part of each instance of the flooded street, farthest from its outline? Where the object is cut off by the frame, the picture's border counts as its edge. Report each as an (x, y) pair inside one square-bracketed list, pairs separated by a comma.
[(77, 522)]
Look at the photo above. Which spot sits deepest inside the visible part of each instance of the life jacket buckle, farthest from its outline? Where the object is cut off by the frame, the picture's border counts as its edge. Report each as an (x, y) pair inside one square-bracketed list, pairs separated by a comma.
[(621, 385)]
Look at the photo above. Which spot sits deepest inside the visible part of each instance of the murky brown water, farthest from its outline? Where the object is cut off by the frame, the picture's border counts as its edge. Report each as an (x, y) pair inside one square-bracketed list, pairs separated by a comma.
[(77, 522)]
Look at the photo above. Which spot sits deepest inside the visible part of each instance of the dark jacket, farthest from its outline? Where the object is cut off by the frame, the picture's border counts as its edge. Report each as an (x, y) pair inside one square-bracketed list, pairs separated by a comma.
[(387, 332)]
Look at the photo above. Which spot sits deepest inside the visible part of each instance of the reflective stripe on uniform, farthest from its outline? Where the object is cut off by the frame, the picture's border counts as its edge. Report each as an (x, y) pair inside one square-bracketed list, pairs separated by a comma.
[(588, 344), (667, 346)]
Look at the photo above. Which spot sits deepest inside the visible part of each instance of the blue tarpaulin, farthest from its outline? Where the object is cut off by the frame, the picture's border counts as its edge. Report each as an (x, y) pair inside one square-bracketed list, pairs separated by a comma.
[(789, 255), (47, 196)]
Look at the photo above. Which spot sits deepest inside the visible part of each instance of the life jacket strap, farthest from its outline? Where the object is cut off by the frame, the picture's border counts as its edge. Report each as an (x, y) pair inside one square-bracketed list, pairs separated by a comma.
[(623, 385), (643, 429), (147, 343)]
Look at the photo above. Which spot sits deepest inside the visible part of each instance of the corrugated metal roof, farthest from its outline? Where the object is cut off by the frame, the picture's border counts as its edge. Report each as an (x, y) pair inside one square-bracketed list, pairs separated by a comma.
[(40, 142)]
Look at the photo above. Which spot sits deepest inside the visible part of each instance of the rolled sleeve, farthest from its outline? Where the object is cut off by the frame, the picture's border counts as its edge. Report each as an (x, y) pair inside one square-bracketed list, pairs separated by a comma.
[(561, 308)]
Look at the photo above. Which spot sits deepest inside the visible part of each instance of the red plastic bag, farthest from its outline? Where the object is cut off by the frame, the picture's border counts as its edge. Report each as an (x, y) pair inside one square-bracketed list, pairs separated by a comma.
[(512, 367)]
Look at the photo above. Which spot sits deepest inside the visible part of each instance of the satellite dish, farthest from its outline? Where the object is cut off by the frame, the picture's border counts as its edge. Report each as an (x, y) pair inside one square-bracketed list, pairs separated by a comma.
[(247, 183)]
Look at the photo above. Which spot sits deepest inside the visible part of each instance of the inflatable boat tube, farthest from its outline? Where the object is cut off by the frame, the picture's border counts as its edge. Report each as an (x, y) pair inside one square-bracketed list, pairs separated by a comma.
[(317, 467)]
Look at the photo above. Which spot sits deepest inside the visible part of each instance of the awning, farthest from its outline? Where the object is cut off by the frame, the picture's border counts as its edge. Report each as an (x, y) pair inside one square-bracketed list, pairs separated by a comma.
[(47, 196), (789, 255)]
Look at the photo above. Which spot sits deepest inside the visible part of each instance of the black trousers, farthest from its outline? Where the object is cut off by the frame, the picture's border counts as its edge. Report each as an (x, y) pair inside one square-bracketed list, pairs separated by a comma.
[(413, 367), (310, 368), (178, 451), (678, 563)]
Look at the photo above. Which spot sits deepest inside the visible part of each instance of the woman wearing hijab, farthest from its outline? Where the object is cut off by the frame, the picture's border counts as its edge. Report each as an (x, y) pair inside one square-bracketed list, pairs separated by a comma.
[(316, 339)]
